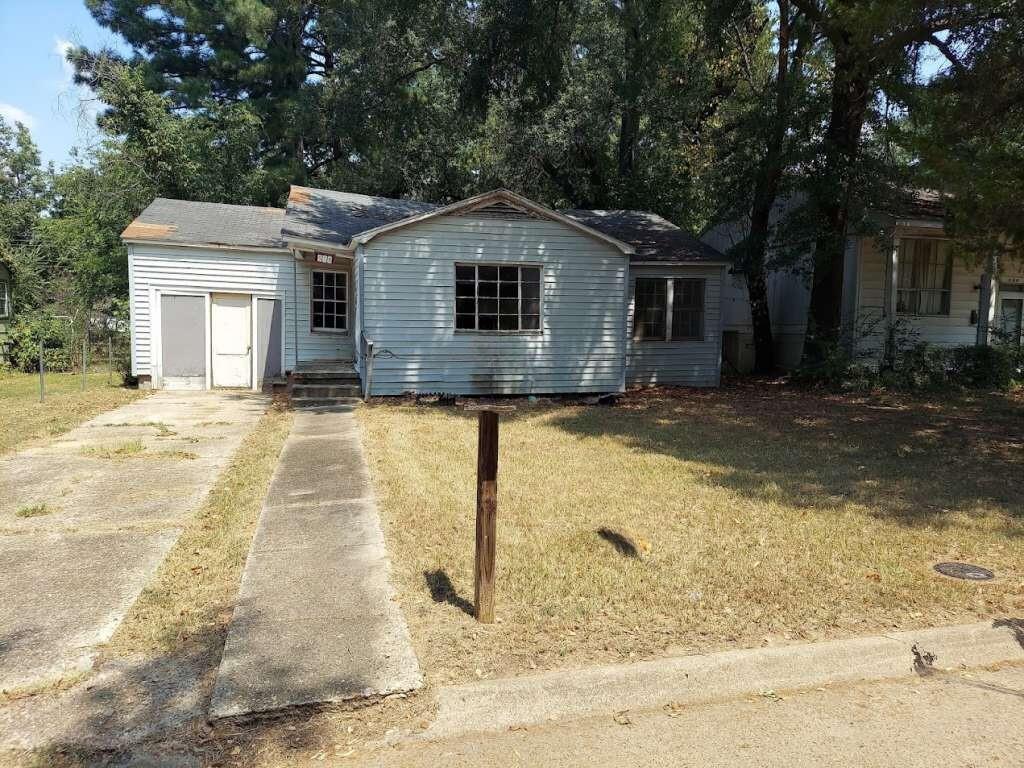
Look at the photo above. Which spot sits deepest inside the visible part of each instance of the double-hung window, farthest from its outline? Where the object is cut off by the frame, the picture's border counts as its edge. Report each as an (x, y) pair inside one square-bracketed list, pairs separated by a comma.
[(330, 301), (5, 299), (924, 277), (497, 297), (669, 309)]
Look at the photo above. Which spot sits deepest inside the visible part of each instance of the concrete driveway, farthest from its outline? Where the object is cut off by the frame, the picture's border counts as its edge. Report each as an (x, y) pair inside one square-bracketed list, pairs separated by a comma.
[(86, 520)]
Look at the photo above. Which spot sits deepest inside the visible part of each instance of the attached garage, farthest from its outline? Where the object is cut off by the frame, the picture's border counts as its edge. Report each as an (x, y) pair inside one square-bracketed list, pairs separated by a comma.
[(210, 288)]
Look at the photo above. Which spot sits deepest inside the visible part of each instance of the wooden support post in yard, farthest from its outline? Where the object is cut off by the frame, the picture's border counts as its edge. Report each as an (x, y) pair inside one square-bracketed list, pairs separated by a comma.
[(85, 362), (486, 510), (42, 373), (110, 359)]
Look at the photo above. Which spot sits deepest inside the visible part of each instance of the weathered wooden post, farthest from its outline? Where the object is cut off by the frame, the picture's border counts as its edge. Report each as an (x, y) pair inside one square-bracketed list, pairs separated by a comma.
[(42, 372), (85, 361), (110, 359), (486, 509)]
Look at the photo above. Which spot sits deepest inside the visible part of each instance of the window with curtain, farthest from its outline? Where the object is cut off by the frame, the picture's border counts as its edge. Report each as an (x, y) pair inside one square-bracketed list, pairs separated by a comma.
[(668, 309), (924, 277), (497, 297)]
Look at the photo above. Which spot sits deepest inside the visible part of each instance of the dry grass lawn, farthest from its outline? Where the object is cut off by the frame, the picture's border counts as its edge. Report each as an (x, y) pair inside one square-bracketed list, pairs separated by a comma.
[(23, 419), (699, 520)]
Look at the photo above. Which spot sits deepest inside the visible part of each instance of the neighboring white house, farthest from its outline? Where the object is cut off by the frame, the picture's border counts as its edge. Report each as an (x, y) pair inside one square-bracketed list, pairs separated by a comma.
[(901, 280), (491, 295)]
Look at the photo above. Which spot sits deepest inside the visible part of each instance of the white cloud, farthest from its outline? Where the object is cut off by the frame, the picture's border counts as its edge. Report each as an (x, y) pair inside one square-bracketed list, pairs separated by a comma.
[(61, 48), (13, 114)]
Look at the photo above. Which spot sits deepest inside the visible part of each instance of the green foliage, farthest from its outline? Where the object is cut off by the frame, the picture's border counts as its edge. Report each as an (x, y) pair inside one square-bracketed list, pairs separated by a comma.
[(57, 336), (920, 368)]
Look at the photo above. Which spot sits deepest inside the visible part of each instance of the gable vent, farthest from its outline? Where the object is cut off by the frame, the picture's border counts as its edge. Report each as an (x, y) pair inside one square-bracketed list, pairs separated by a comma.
[(499, 210)]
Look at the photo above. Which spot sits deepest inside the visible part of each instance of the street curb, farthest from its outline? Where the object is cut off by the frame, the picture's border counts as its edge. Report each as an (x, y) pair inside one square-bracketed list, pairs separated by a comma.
[(496, 705)]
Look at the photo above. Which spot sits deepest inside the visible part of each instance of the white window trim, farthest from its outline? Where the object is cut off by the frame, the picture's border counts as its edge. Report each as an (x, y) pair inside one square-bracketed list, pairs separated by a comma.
[(6, 296), (669, 302), (538, 331), (344, 275)]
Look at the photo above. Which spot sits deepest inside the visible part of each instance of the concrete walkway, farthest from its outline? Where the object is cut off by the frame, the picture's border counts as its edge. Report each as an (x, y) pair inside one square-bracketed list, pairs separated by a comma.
[(86, 519), (316, 618)]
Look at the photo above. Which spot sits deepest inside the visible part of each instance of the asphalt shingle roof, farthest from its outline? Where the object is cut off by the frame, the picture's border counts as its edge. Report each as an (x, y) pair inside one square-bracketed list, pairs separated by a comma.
[(191, 223), (336, 217), (654, 238)]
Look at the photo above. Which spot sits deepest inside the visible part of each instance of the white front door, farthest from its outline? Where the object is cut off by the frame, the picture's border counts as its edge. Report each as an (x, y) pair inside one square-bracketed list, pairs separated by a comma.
[(231, 325)]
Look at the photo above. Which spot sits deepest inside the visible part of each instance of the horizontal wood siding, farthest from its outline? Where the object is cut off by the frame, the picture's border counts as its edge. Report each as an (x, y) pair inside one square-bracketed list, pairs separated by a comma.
[(408, 281), (950, 330), (202, 270), (690, 363)]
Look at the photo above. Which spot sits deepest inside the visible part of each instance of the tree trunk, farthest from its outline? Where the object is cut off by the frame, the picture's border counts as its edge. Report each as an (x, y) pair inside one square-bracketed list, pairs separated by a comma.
[(850, 94)]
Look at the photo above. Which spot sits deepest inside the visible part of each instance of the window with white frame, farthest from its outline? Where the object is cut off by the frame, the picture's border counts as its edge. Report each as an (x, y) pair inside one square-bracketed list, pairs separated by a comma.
[(924, 277), (497, 297), (5, 299), (330, 301), (669, 309)]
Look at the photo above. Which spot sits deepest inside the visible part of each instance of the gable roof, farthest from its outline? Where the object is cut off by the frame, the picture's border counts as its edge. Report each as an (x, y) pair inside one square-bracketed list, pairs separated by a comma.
[(319, 215), (654, 239), (210, 224)]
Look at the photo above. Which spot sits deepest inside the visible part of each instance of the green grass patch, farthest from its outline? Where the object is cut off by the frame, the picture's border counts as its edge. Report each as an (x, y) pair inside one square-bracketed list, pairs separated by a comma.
[(35, 510)]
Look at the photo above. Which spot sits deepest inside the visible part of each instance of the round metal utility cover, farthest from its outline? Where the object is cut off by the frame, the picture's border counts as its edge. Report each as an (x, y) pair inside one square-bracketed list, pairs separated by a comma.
[(964, 571)]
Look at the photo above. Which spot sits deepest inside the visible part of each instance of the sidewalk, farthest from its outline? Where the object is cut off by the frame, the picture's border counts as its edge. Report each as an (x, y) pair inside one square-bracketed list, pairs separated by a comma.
[(955, 719), (316, 619)]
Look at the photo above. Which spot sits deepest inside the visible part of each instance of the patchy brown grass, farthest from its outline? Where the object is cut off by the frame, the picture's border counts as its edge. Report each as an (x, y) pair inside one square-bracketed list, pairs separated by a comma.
[(193, 592), (23, 419), (697, 520)]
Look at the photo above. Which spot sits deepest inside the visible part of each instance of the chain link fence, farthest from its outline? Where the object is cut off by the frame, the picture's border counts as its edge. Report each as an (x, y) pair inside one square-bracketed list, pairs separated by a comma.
[(98, 350)]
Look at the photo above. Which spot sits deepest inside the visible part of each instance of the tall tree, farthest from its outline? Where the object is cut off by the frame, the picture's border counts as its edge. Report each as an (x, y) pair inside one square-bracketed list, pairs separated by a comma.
[(777, 120), (872, 42), (965, 128)]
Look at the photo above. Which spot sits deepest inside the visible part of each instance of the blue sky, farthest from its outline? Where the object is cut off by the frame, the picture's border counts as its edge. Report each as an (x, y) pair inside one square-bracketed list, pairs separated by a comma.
[(36, 85)]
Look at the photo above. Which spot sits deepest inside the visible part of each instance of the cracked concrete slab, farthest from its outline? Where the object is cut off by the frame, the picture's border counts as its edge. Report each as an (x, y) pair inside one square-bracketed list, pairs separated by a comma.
[(103, 522), (316, 619)]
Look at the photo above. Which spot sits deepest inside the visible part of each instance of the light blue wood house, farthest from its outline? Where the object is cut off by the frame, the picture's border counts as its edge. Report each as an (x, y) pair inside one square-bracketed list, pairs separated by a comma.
[(347, 294)]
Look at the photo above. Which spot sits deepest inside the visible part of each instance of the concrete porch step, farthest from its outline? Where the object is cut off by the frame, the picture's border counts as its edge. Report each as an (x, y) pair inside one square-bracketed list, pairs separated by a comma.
[(333, 389), (324, 402), (328, 377)]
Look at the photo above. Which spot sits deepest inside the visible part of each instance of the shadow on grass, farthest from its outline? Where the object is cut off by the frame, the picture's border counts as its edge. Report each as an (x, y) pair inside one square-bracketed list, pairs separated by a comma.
[(621, 543), (443, 591), (917, 463)]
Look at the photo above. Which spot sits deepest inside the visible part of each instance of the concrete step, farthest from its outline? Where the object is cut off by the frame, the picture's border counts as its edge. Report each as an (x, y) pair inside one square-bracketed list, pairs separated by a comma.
[(325, 402), (334, 389), (317, 377)]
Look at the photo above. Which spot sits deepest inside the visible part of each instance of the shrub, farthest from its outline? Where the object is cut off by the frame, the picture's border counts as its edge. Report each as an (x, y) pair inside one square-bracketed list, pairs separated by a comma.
[(920, 367), (57, 336)]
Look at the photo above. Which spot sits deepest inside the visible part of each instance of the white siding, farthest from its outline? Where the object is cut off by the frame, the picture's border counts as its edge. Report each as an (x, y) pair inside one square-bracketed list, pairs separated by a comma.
[(408, 282), (153, 268), (692, 363)]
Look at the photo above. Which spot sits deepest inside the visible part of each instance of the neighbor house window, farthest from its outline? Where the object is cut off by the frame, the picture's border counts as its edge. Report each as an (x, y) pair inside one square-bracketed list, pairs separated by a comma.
[(330, 301), (494, 297), (925, 277), (5, 299), (669, 309)]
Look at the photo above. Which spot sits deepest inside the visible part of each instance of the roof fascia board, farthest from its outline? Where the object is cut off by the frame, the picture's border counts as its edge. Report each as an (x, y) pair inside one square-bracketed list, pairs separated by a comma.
[(207, 246), (478, 200), (301, 243)]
